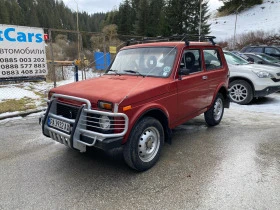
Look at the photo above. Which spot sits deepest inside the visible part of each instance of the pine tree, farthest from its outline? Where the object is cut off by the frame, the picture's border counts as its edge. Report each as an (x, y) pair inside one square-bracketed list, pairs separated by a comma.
[(17, 17), (142, 18), (33, 17), (4, 14), (194, 19), (184, 16), (125, 22), (155, 22), (230, 6), (176, 16)]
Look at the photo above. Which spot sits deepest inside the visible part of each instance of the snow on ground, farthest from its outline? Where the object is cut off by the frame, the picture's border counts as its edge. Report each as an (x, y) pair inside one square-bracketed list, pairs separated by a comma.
[(260, 17), (27, 89), (268, 104), (9, 114), (16, 93), (9, 120), (34, 91)]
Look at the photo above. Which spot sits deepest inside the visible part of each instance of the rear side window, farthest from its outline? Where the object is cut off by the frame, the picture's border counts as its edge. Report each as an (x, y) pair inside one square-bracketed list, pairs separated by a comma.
[(212, 59), (257, 49), (270, 50)]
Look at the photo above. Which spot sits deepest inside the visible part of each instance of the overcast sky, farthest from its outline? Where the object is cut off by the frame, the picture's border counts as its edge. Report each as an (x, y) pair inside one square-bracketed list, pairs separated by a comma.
[(93, 6)]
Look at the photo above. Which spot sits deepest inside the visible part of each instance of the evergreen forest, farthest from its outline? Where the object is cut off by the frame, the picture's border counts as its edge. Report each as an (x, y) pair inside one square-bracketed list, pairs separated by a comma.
[(133, 17)]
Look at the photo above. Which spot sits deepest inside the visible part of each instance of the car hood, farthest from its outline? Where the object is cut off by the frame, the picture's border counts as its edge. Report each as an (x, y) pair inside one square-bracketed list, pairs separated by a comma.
[(115, 88), (256, 67)]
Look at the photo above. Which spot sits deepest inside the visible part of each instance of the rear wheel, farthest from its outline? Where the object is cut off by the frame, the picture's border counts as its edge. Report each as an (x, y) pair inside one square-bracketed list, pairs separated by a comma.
[(240, 92), (143, 147), (215, 114)]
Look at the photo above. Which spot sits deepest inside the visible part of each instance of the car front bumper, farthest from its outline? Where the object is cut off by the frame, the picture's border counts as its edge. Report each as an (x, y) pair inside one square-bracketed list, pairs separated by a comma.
[(80, 136), (266, 91)]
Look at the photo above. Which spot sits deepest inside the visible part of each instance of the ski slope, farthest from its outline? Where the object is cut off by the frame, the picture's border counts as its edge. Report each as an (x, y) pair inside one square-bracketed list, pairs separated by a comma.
[(264, 17)]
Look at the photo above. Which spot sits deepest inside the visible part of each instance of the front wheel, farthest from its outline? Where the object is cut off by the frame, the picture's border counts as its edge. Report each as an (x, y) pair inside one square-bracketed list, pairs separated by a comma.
[(142, 149), (240, 92), (215, 114)]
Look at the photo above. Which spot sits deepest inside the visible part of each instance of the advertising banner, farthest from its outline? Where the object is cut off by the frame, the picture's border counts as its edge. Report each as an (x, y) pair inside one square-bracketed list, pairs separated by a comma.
[(22, 51)]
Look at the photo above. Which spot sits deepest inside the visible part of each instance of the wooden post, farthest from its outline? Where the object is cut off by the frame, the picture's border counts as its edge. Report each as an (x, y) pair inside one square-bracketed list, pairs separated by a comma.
[(104, 49), (52, 64)]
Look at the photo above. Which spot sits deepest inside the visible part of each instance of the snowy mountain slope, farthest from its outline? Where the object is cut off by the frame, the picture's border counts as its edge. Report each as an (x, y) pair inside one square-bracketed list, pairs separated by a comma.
[(264, 17)]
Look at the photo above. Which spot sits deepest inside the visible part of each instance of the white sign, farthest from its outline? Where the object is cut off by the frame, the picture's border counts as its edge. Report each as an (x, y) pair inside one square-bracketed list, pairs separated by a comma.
[(22, 51)]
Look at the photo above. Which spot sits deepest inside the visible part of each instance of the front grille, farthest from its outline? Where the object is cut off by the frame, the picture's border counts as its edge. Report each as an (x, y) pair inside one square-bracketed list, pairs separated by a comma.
[(67, 111)]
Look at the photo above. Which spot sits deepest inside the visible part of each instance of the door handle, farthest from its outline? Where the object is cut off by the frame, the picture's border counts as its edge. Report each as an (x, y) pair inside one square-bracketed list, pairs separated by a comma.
[(204, 77)]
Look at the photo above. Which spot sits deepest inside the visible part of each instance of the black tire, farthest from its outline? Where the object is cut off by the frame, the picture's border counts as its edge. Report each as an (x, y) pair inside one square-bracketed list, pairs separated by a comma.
[(215, 114), (143, 147), (240, 92)]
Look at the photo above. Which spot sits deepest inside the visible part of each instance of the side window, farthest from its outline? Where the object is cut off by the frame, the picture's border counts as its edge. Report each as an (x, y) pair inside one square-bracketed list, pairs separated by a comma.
[(212, 59), (256, 59), (249, 49), (257, 50), (270, 50), (191, 60)]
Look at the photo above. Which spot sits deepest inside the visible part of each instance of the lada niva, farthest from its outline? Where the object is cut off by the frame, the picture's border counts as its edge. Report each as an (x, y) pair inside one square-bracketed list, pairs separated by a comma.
[(148, 90)]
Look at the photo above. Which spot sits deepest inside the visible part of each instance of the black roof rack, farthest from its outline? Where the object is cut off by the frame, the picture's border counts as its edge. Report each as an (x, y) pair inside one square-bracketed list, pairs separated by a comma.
[(176, 37)]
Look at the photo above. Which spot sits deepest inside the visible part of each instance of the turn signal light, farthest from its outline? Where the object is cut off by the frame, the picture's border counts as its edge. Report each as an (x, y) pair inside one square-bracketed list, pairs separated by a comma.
[(105, 105), (127, 108), (50, 94)]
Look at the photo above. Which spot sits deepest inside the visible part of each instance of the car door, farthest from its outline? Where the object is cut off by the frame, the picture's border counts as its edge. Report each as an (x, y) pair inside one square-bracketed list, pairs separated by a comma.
[(192, 88), (214, 70)]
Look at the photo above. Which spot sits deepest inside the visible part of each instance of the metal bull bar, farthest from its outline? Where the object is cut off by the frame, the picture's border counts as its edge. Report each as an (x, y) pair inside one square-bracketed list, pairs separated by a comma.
[(69, 131)]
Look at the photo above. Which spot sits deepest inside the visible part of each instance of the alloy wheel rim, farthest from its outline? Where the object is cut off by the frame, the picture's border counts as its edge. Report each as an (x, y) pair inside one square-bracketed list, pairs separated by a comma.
[(238, 93), (148, 144), (218, 109)]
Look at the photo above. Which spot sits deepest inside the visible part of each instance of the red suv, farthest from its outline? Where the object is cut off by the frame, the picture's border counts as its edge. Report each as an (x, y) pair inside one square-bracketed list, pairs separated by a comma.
[(148, 90)]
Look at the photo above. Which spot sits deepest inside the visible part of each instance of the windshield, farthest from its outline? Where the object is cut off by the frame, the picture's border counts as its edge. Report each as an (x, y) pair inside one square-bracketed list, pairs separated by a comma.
[(268, 58), (145, 61), (234, 59)]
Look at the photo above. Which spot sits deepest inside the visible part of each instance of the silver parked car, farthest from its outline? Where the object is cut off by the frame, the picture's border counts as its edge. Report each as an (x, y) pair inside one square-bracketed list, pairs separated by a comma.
[(248, 81)]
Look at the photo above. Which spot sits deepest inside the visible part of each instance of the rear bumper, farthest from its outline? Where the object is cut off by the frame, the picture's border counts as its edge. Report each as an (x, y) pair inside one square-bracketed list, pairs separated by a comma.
[(267, 91)]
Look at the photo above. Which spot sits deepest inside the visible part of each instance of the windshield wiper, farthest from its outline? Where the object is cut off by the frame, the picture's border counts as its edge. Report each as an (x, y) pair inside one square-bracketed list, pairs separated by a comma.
[(115, 71), (134, 72)]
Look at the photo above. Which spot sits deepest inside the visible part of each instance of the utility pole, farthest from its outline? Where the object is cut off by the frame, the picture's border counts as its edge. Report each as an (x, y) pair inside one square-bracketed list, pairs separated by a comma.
[(78, 30), (234, 36), (200, 21)]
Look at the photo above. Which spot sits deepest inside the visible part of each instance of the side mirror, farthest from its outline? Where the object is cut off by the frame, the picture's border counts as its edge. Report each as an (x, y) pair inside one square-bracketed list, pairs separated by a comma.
[(184, 71)]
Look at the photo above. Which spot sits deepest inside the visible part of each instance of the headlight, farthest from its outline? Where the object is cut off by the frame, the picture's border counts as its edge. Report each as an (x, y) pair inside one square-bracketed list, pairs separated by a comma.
[(104, 122), (263, 74)]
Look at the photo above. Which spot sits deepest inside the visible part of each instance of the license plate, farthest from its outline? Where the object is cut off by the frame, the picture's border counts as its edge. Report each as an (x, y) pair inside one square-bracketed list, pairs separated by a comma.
[(61, 125)]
